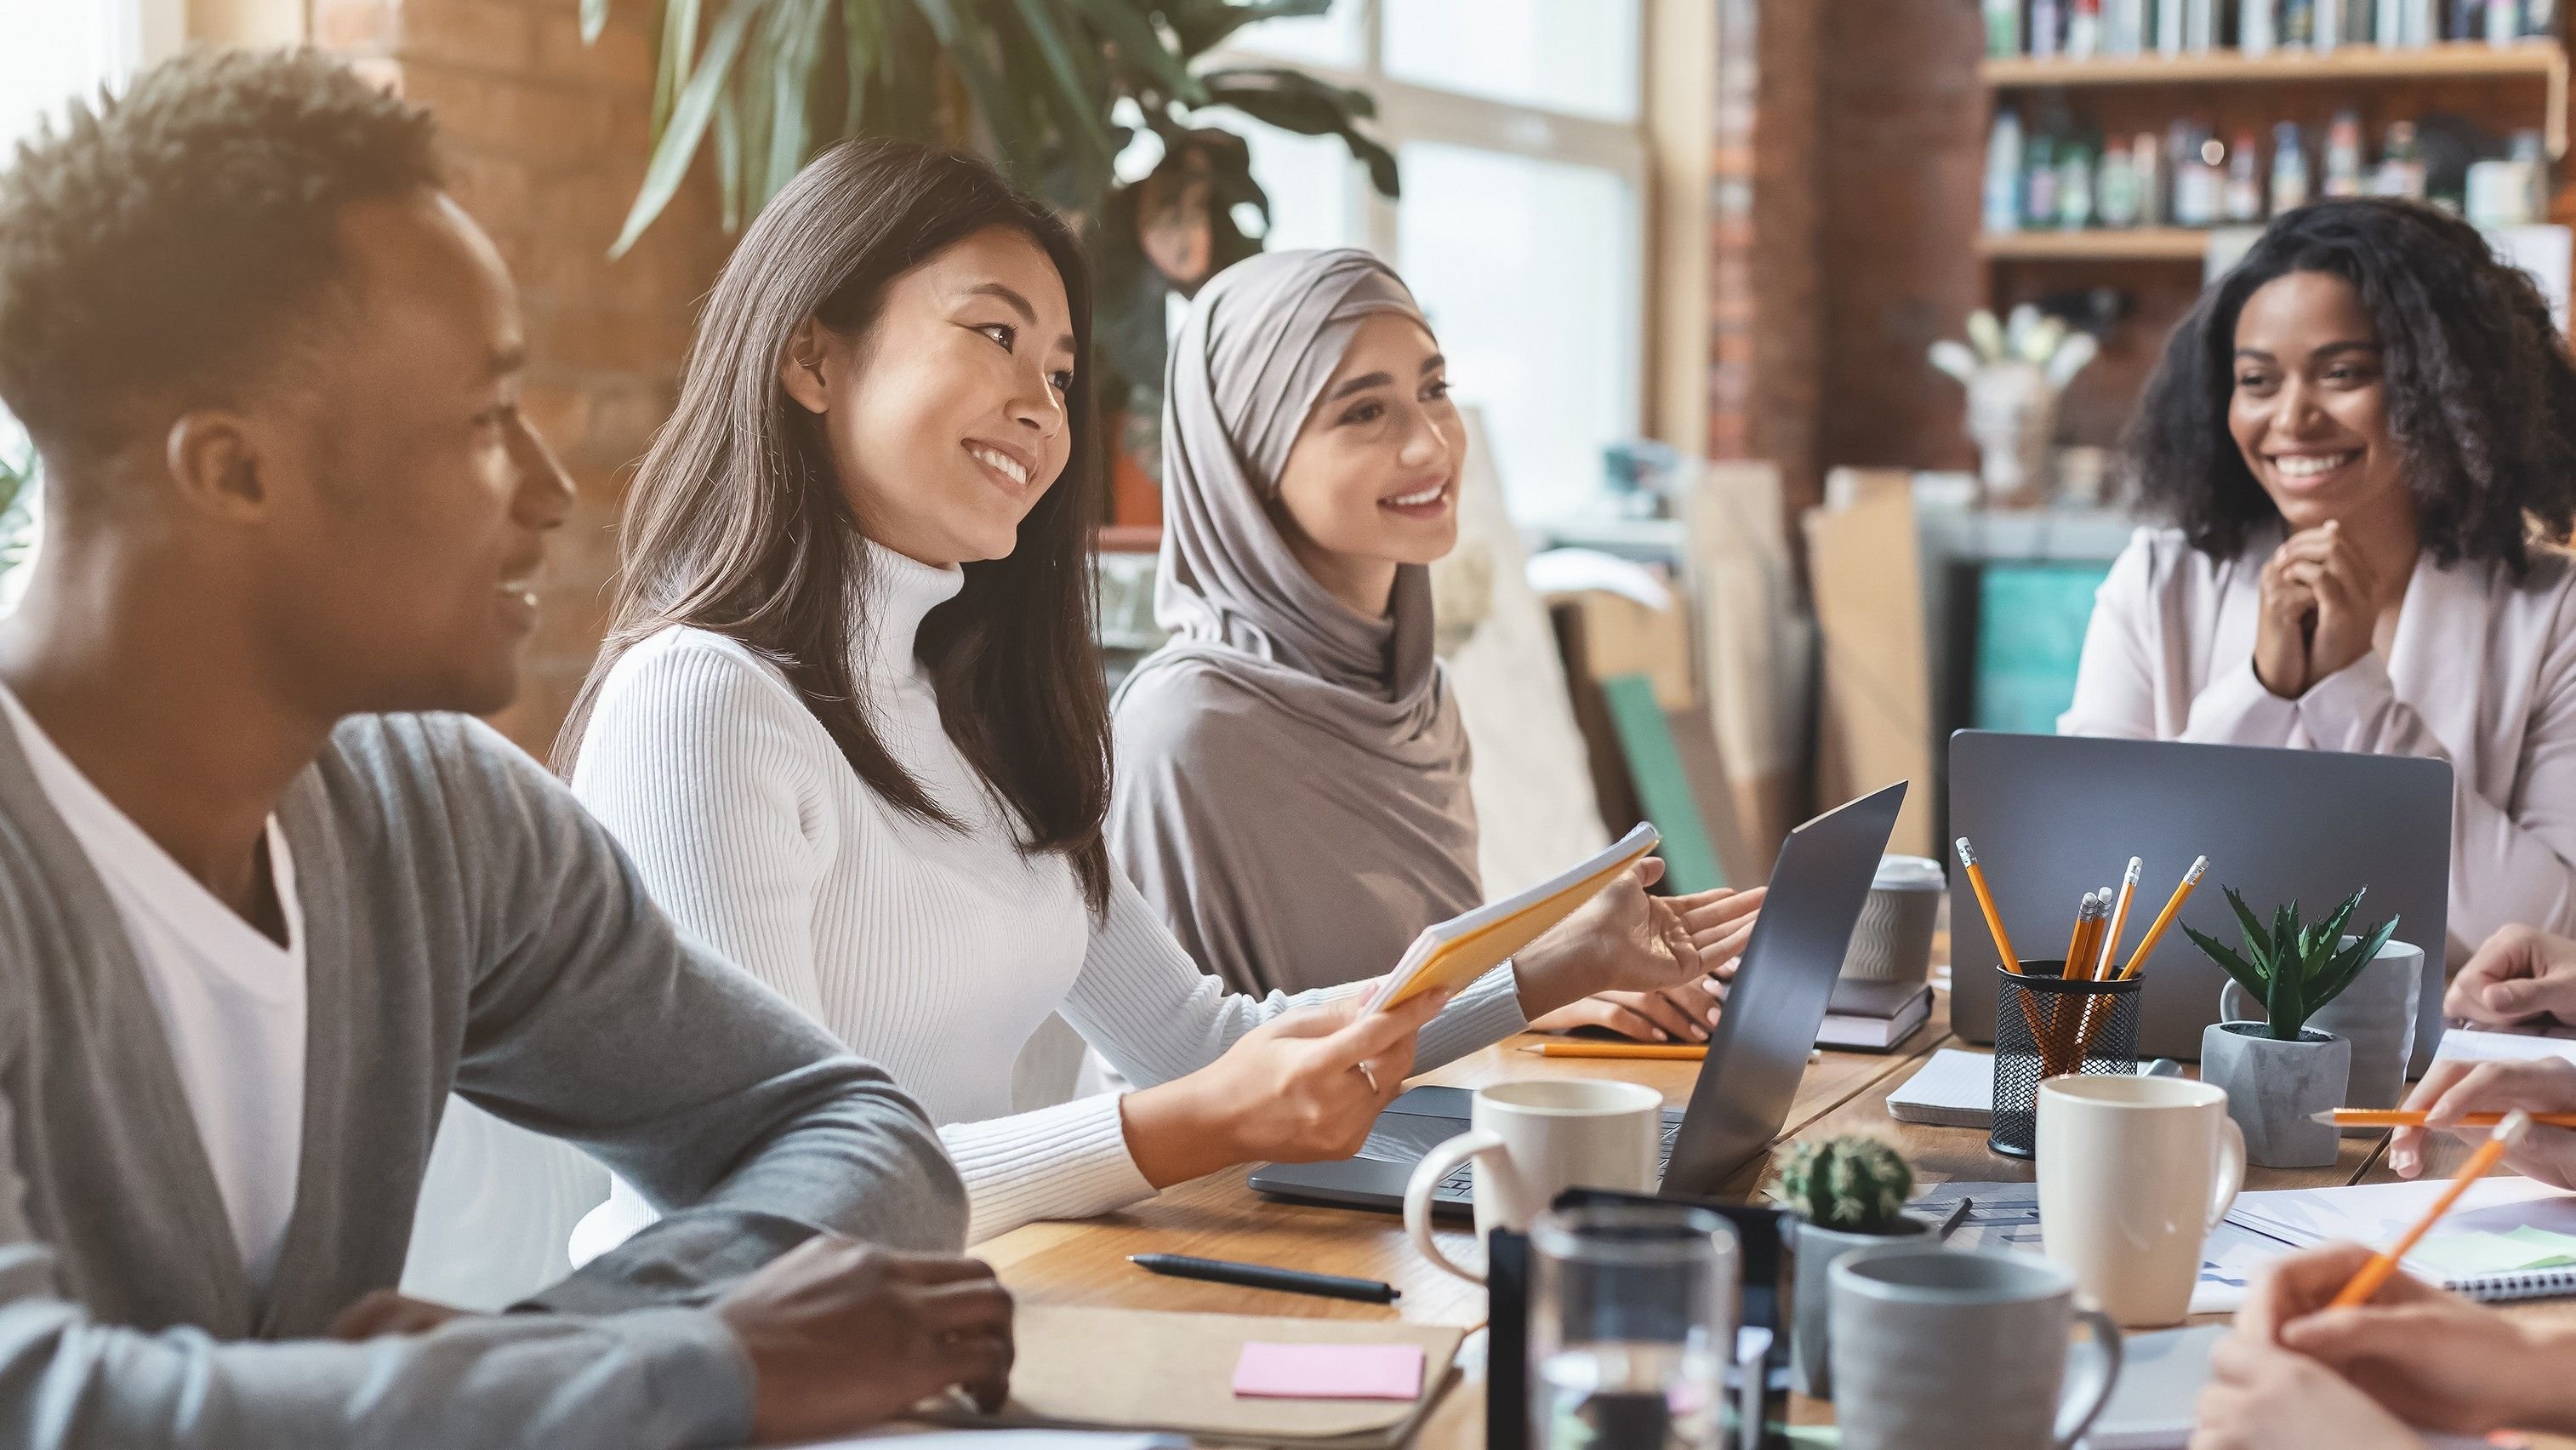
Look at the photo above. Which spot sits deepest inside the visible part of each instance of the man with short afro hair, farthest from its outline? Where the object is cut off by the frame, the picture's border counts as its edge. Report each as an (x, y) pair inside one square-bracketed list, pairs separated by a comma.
[(268, 893)]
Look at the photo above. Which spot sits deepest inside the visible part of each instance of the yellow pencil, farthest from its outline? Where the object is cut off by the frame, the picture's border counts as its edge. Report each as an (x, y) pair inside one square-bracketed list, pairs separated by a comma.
[(2083, 932), (2119, 919), (1676, 1050), (2414, 1118), (2375, 1274), (1986, 904), (2080, 964), (2165, 918)]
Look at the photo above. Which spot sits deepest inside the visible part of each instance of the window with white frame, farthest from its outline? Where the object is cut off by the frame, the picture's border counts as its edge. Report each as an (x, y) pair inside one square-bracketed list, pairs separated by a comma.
[(1517, 129)]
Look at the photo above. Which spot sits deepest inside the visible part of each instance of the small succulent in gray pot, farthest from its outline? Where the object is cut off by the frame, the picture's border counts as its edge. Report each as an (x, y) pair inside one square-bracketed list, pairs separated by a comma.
[(2279, 1072), (1849, 1196)]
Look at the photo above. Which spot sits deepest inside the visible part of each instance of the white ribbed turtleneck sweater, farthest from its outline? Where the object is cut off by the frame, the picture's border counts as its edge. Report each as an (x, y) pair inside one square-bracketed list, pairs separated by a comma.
[(933, 952)]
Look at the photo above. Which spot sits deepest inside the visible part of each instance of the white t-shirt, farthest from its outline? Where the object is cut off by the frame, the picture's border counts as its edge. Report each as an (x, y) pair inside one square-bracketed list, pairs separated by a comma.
[(231, 1000)]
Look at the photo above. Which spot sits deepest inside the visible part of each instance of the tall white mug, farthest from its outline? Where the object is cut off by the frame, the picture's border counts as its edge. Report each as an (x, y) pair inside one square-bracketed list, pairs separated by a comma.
[(2133, 1174), (1531, 1141)]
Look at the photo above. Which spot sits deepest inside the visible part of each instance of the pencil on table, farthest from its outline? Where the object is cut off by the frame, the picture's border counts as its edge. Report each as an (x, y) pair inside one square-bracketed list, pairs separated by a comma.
[(1986, 904), (1652, 1051), (2119, 919), (2412, 1118), (2375, 1274), (2165, 918)]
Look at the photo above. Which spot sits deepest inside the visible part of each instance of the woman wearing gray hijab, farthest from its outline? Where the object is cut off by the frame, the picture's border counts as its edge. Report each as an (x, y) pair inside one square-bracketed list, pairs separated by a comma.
[(1291, 789)]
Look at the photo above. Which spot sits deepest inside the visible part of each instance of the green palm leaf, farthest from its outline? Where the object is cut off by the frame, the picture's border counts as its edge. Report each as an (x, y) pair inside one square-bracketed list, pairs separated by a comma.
[(1294, 101), (1084, 108), (1203, 25), (1126, 25), (690, 115)]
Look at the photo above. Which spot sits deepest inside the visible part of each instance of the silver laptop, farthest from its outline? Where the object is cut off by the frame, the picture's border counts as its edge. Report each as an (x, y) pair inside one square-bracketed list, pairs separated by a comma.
[(2055, 816), (1755, 1057)]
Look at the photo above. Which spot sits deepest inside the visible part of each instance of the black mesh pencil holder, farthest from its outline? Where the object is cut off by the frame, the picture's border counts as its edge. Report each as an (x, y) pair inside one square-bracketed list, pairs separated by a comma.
[(2047, 1026)]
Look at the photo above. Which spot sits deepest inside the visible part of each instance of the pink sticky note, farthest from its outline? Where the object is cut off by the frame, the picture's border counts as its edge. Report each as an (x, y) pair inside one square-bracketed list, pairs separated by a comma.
[(1329, 1371)]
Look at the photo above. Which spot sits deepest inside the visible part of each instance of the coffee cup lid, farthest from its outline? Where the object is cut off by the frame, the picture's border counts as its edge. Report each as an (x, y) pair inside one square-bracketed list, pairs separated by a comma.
[(1908, 873)]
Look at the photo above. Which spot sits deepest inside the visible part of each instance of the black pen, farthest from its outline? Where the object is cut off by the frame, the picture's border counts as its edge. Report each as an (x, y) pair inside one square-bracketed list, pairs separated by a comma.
[(1263, 1276)]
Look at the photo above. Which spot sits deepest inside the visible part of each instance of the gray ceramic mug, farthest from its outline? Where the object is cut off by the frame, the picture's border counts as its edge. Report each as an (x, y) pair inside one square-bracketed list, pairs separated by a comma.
[(2376, 1014), (1942, 1349)]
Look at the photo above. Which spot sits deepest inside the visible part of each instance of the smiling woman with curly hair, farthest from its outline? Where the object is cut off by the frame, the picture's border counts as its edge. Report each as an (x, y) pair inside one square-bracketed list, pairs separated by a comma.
[(2366, 434)]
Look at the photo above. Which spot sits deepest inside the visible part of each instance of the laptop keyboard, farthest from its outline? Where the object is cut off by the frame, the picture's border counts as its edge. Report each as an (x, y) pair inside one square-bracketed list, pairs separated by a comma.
[(1459, 1186)]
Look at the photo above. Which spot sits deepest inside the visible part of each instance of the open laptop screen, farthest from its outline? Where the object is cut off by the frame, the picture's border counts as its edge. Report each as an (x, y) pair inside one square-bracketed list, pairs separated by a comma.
[(1777, 1002)]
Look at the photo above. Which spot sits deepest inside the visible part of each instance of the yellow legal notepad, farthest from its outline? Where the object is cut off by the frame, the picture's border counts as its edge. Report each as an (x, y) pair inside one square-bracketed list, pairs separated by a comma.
[(1456, 952)]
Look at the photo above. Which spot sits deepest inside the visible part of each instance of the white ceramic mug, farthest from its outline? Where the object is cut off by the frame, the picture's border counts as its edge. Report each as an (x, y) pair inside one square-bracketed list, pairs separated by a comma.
[(2133, 1174), (1531, 1141)]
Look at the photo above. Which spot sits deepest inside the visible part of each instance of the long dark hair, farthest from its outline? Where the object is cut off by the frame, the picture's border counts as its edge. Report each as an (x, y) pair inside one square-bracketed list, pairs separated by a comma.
[(736, 523), (2481, 393)]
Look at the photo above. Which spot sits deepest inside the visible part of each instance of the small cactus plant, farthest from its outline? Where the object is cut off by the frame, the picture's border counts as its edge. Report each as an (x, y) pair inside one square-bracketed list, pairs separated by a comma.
[(1853, 1183)]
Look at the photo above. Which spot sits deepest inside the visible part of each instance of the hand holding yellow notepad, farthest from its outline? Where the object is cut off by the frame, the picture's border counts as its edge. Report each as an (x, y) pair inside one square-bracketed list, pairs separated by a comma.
[(1456, 952)]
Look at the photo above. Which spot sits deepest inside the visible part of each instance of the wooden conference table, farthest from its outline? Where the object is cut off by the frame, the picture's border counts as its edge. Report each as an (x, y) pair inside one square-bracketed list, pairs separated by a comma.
[(1217, 1217)]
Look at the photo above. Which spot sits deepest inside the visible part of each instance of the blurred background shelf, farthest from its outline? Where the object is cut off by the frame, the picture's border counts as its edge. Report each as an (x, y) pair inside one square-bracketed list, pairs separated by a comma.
[(2456, 60), (2132, 244), (2449, 60)]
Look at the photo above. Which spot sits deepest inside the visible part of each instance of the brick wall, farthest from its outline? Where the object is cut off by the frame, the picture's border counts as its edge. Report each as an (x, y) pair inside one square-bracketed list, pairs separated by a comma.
[(546, 140), (1765, 280)]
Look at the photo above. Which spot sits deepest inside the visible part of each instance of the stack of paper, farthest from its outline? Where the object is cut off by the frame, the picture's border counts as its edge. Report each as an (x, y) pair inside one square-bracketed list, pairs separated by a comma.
[(2507, 1238), (1954, 1090)]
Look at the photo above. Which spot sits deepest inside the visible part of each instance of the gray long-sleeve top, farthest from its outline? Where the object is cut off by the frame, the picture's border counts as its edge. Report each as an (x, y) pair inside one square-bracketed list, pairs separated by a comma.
[(467, 927)]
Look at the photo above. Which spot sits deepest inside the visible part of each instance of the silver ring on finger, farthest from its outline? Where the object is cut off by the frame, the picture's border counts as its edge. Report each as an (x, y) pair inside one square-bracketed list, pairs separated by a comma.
[(1368, 1074)]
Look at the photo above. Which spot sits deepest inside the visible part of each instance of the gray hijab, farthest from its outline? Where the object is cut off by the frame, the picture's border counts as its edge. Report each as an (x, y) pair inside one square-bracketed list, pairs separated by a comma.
[(1291, 790)]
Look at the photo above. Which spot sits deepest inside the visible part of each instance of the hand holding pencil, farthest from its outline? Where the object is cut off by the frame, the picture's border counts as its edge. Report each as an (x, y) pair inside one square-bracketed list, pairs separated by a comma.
[(2431, 1358), (2454, 1091)]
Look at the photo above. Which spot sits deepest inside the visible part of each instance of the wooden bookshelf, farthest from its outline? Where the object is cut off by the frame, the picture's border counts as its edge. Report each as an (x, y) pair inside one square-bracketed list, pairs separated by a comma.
[(2542, 60), (2131, 244)]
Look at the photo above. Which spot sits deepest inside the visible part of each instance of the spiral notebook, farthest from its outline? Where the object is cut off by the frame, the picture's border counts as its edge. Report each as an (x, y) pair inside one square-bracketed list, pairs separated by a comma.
[(2507, 1238)]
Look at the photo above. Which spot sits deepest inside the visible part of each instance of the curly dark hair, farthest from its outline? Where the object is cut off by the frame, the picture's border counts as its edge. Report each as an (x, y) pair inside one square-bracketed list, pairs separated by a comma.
[(2481, 391), (160, 248)]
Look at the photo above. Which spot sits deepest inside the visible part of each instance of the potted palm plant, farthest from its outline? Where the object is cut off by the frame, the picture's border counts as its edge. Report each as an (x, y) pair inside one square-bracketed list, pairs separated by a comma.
[(2279, 1072), (1848, 1194), (1105, 108)]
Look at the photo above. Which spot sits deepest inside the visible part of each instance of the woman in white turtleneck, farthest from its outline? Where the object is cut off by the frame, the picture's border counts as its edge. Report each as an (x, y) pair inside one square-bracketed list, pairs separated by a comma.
[(851, 726)]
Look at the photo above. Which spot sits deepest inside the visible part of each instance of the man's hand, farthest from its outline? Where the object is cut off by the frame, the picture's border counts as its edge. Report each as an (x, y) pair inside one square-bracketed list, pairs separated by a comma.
[(2519, 977), (844, 1335)]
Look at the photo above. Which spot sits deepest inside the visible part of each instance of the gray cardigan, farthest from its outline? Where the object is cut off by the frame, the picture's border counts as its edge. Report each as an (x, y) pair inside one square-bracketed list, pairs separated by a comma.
[(468, 927)]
